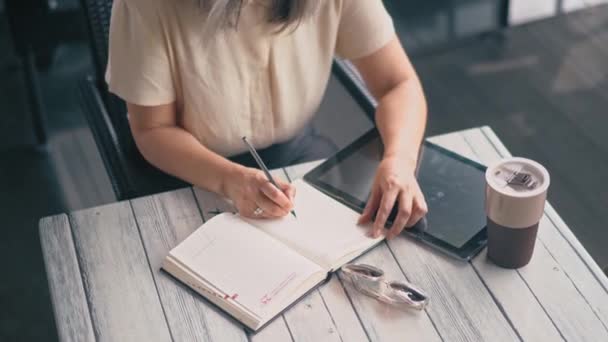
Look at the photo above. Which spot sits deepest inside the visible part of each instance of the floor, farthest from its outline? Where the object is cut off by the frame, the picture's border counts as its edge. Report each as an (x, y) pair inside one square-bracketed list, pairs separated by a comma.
[(67, 174), (35, 181)]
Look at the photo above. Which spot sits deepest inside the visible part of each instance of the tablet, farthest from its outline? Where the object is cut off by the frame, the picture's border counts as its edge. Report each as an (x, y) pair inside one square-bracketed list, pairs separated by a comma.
[(453, 186)]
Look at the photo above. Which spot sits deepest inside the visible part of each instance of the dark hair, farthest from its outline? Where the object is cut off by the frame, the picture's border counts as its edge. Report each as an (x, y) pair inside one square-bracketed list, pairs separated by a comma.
[(285, 13)]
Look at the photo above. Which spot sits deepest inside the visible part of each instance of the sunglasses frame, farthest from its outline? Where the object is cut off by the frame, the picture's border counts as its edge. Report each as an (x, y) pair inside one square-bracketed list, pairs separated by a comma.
[(370, 281)]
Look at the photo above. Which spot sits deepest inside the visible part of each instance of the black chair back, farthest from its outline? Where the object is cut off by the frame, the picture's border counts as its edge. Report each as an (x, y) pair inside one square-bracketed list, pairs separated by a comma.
[(130, 174), (97, 13)]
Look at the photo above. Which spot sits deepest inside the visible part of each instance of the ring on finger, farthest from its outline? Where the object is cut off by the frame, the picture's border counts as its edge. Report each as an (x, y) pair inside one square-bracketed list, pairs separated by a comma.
[(258, 211)]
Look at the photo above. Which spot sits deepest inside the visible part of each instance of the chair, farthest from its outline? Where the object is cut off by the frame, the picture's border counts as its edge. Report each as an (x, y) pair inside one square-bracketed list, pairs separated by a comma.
[(130, 175)]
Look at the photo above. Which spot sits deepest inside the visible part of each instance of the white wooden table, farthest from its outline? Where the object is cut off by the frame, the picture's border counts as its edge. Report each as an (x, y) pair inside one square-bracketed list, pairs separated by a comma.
[(103, 267)]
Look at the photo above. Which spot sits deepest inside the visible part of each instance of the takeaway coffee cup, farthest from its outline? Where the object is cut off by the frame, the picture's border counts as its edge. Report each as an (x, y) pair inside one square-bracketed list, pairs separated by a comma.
[(516, 191)]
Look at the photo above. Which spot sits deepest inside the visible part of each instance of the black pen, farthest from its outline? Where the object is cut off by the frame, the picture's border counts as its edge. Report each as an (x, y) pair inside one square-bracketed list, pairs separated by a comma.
[(262, 166)]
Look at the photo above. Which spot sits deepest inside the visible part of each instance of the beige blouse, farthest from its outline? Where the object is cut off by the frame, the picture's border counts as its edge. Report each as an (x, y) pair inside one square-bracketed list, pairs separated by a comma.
[(247, 81)]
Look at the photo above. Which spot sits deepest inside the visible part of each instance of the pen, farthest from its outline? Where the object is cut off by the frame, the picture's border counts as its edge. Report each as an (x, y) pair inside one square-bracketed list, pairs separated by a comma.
[(262, 166)]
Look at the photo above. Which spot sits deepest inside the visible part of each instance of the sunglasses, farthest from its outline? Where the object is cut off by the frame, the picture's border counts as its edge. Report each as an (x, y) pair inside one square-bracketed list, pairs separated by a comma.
[(370, 281)]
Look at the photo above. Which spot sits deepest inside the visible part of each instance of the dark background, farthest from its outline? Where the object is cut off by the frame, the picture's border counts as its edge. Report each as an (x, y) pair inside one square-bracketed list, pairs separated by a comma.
[(67, 173)]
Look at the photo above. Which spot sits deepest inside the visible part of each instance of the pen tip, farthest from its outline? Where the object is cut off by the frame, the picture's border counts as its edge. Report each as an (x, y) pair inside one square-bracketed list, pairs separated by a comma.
[(294, 214)]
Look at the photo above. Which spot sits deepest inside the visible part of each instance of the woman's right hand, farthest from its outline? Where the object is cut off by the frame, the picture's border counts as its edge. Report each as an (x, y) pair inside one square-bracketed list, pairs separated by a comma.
[(249, 190)]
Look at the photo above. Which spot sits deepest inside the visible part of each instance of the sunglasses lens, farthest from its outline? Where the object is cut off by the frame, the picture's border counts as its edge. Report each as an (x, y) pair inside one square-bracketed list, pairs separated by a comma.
[(365, 278), (366, 271), (407, 291), (370, 281), (404, 293)]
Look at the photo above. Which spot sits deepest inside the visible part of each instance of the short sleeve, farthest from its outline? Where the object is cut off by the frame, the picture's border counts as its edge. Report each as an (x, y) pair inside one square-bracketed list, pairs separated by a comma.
[(139, 70), (365, 27)]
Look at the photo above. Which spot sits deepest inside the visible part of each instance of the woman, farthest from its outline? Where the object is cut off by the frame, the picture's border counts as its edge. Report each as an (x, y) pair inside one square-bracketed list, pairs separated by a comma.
[(197, 75)]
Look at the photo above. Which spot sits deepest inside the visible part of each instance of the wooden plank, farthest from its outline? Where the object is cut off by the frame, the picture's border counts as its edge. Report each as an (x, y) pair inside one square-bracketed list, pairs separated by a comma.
[(542, 262), (508, 289), (164, 221), (569, 238), (574, 301), (332, 294), (382, 323), (70, 306), (309, 320), (454, 142), (312, 319), (119, 285), (277, 331), (500, 150), (298, 316), (517, 300), (559, 224), (211, 204), (567, 306), (471, 293), (342, 312), (461, 306), (563, 246)]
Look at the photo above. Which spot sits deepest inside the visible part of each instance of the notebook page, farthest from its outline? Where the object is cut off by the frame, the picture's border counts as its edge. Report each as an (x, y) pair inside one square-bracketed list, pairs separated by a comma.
[(253, 269), (325, 230)]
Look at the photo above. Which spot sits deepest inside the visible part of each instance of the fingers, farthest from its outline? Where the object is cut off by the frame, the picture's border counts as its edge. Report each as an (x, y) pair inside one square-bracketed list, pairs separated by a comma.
[(270, 208), (248, 210), (370, 208), (288, 190), (419, 209), (412, 208), (255, 191), (403, 214), (276, 195), (386, 205)]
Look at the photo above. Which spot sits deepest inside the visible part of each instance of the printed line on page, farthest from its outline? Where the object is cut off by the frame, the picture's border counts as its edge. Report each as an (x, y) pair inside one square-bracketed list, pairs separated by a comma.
[(268, 297)]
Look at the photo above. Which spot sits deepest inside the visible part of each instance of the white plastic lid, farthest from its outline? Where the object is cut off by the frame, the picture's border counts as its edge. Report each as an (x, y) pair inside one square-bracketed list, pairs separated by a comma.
[(518, 177)]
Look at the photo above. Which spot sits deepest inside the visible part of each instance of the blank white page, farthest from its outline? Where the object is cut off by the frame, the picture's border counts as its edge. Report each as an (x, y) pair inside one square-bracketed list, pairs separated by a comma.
[(249, 267), (325, 229)]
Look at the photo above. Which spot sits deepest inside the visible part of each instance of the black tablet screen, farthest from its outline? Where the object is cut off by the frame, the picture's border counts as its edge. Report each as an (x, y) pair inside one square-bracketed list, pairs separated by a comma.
[(454, 189)]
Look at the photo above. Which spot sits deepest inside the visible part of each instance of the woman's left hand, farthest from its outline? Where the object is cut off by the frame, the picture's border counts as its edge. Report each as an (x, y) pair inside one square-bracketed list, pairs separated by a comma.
[(395, 184)]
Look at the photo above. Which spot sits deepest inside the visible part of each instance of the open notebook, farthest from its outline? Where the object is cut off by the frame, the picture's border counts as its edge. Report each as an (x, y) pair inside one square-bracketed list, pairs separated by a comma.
[(255, 269)]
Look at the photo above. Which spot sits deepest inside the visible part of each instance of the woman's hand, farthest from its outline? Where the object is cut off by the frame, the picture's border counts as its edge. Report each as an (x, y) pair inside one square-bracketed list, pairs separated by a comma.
[(395, 184), (249, 190)]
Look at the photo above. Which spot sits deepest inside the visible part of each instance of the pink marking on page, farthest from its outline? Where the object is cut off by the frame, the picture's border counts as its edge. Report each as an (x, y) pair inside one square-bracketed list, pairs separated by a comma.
[(234, 296), (268, 297)]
